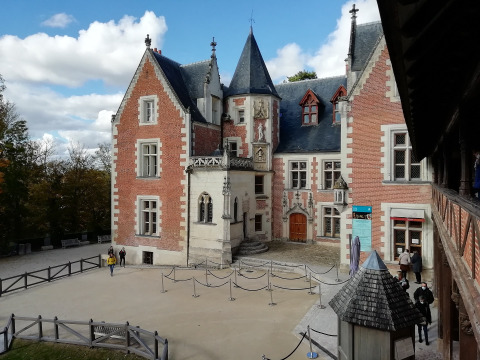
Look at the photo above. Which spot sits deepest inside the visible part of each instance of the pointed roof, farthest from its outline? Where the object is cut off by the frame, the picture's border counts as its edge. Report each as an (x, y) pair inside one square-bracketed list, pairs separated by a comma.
[(374, 298), (251, 75), (363, 42)]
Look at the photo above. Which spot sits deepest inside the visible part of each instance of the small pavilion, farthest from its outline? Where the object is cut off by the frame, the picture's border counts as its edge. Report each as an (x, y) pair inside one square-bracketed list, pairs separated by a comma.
[(376, 317)]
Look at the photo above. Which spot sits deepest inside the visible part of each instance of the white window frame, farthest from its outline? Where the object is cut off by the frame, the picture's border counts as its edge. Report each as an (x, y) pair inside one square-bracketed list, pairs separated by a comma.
[(330, 216), (258, 185), (145, 205), (146, 117), (207, 215), (405, 148), (291, 171), (140, 165), (241, 119), (333, 171)]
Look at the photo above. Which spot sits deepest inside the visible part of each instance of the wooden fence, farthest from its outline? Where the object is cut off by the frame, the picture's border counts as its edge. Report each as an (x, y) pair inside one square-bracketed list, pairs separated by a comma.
[(36, 277), (130, 339)]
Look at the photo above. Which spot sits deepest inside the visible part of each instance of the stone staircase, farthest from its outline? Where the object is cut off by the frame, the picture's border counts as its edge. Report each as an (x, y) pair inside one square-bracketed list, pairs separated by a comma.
[(251, 263), (251, 247)]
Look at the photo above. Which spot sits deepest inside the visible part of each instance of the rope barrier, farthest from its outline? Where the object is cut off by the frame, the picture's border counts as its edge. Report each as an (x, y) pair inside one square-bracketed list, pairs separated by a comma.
[(284, 288), (219, 277), (255, 266), (176, 280), (319, 332), (325, 283), (210, 285), (238, 286), (320, 273), (252, 278), (286, 265), (286, 357), (284, 278)]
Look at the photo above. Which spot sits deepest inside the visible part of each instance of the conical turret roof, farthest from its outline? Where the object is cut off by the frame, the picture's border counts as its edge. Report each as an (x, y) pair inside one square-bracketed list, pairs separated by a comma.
[(251, 75), (374, 298)]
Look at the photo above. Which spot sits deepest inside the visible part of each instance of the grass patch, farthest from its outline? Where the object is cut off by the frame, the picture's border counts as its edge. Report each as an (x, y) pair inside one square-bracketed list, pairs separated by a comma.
[(28, 350)]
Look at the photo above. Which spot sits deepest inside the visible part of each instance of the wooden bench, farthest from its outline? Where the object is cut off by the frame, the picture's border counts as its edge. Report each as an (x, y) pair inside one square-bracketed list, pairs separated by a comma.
[(104, 238), (70, 242)]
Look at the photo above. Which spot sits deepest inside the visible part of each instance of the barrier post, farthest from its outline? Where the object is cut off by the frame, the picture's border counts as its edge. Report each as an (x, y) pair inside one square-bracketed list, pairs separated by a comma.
[(269, 286), (1, 290), (49, 274), (26, 281), (271, 303), (156, 344), (306, 275), (206, 277), (310, 292), (320, 306), (81, 265), (174, 279), (40, 328), (337, 279), (163, 289), (311, 354), (231, 298), (271, 266), (194, 292), (236, 282), (55, 322)]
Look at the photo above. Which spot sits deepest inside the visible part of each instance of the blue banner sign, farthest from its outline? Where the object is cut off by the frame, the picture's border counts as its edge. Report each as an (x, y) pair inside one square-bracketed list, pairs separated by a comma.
[(362, 226)]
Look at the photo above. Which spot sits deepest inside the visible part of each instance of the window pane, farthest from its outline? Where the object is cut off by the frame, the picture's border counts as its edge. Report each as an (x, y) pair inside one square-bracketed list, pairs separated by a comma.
[(295, 165), (328, 165), (313, 108), (241, 115), (400, 139), (399, 157), (415, 172), (314, 117), (303, 165), (399, 172), (338, 165), (306, 119), (399, 236), (338, 116), (337, 227)]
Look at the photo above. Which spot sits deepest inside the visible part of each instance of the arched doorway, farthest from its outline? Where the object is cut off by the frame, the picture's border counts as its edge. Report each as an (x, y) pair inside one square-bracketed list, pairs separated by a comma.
[(298, 227)]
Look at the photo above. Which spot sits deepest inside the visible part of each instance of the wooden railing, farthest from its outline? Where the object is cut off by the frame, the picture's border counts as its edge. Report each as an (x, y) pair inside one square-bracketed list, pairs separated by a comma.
[(36, 277), (87, 333), (460, 217)]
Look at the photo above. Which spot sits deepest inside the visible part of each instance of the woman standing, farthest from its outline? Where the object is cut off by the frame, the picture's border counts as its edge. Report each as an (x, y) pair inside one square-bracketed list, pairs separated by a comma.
[(112, 260), (404, 262)]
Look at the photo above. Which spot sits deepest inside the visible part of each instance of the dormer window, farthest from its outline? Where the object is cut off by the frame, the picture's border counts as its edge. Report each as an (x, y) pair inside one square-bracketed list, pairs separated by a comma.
[(337, 104), (310, 106)]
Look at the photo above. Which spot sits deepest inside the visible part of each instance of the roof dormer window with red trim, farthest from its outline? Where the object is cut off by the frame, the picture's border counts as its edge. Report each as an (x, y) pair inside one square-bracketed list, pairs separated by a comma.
[(337, 115), (310, 105)]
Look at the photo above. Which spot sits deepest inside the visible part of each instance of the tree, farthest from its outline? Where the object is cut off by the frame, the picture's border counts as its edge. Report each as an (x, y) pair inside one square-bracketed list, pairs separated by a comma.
[(103, 157), (302, 75)]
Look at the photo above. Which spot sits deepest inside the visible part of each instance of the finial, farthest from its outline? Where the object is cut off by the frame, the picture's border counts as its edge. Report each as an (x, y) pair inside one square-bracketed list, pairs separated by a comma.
[(213, 44), (148, 41), (353, 12), (251, 22)]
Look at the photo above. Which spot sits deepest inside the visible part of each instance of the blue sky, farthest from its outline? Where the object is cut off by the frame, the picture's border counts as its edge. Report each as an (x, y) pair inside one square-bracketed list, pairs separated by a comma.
[(67, 64)]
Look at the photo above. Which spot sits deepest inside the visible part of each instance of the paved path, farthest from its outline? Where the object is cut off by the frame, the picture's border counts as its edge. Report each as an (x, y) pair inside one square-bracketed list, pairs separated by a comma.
[(206, 327)]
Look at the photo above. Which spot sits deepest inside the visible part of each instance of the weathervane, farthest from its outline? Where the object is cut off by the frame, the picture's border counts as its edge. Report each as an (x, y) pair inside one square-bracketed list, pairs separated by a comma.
[(251, 21)]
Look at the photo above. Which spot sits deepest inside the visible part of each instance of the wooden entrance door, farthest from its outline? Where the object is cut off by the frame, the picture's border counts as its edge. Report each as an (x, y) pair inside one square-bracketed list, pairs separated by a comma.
[(298, 227)]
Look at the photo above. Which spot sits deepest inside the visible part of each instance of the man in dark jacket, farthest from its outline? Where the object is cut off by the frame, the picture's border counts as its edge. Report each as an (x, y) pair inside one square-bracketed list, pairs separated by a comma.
[(425, 292), (424, 308), (416, 261)]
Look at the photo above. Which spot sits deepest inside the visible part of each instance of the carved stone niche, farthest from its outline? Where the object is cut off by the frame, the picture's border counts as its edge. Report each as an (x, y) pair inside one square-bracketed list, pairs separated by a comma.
[(465, 324), (261, 153), (260, 109)]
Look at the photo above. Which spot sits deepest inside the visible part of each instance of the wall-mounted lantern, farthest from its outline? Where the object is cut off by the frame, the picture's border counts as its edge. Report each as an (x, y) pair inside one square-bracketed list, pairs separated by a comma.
[(340, 190)]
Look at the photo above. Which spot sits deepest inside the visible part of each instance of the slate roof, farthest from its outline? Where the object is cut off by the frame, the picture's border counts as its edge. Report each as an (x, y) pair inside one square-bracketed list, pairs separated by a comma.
[(366, 36), (251, 75), (374, 298), (194, 76), (295, 138), (176, 75)]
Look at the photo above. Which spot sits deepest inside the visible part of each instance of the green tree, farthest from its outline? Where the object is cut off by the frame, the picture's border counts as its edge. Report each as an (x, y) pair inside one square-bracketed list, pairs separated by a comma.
[(302, 75)]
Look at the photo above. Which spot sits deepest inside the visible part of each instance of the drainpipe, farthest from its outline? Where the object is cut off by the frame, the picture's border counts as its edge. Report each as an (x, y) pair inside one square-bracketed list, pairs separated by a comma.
[(189, 172)]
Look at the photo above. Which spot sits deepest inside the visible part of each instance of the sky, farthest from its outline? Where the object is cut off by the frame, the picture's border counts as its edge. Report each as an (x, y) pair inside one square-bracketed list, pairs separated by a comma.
[(67, 64)]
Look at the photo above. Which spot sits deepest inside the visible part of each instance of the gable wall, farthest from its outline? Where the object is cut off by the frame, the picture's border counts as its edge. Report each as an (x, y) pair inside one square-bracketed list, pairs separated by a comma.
[(205, 139), (171, 132), (371, 108)]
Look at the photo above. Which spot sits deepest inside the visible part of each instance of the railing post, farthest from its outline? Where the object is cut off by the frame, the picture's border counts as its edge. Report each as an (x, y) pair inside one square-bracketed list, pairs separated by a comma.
[(155, 334), (92, 332), (127, 338), (5, 339), (81, 265), (13, 324), (40, 329), (69, 268), (165, 350), (55, 324), (1, 290), (99, 261), (49, 274), (26, 281)]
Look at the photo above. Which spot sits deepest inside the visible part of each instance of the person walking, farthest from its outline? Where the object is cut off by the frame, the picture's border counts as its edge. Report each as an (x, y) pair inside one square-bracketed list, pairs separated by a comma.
[(110, 250), (425, 292), (112, 260), (122, 254), (404, 262), (403, 281), (422, 305), (417, 266)]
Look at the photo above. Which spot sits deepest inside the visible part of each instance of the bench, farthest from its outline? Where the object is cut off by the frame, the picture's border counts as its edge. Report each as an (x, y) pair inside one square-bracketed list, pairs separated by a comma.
[(70, 242), (47, 247), (104, 238)]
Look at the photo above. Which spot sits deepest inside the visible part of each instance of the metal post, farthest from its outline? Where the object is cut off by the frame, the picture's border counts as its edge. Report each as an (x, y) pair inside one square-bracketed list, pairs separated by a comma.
[(81, 265), (5, 338), (174, 280), (311, 354), (231, 298), (236, 282), (163, 289), (320, 306), (90, 328), (1, 290), (206, 277), (206, 262), (56, 330), (337, 279), (69, 268), (310, 292), (26, 277), (271, 303), (40, 330), (194, 292), (271, 265), (156, 343), (49, 274), (269, 287), (99, 261), (306, 275), (127, 338)]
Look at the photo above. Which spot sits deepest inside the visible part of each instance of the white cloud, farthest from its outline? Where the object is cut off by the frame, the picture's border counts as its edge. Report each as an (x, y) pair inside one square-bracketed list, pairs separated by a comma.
[(59, 21), (105, 51), (328, 60)]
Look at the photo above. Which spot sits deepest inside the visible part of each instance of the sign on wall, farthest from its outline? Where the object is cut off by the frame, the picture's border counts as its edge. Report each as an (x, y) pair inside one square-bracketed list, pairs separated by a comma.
[(362, 226)]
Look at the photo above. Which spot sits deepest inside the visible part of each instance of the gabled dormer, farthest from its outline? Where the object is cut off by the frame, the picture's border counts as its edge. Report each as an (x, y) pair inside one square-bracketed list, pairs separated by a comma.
[(311, 106), (336, 101)]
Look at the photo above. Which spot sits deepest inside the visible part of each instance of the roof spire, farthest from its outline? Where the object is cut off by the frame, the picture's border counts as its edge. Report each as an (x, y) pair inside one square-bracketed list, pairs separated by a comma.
[(353, 12), (251, 22), (213, 44), (353, 30), (148, 41)]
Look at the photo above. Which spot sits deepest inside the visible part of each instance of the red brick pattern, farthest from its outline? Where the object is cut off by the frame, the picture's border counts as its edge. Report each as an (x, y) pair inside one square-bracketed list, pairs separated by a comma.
[(127, 186), (207, 140)]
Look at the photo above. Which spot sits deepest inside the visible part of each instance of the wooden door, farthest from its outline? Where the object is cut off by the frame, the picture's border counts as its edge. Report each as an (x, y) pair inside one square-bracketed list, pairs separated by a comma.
[(298, 227)]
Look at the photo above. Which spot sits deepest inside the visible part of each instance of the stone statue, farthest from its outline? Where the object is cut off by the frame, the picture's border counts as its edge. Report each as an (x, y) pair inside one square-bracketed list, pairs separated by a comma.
[(261, 135)]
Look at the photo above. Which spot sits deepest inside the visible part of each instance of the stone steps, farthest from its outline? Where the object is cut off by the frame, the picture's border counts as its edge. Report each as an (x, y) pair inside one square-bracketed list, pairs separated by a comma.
[(251, 247), (252, 263)]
